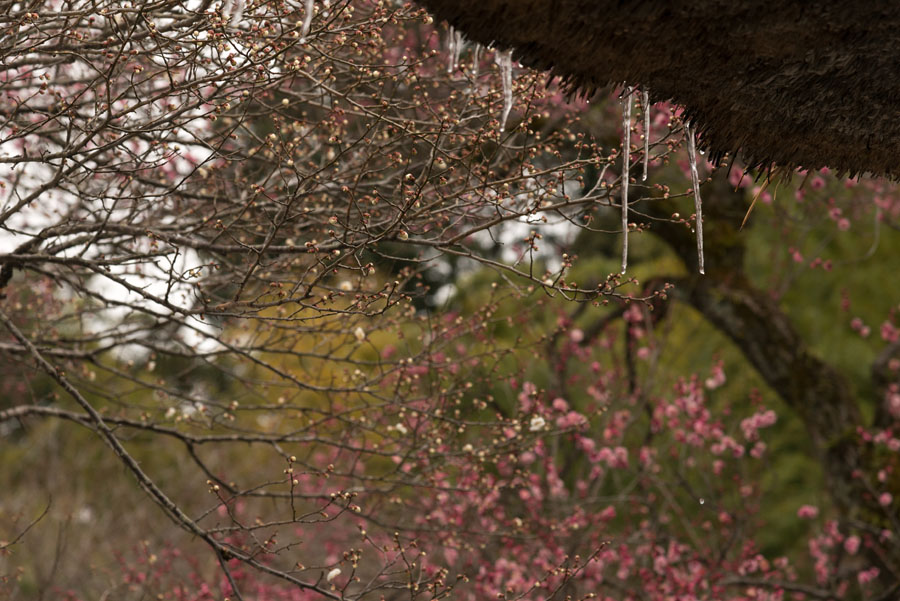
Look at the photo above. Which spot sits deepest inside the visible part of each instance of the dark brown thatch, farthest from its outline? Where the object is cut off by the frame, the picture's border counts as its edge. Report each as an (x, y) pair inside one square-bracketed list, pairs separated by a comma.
[(811, 83)]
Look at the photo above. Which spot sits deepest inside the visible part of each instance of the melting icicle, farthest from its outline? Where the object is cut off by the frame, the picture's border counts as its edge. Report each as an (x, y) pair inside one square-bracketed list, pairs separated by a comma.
[(233, 10), (626, 160), (238, 13), (451, 50), (645, 101), (504, 61), (454, 46), (695, 178), (476, 60), (307, 19)]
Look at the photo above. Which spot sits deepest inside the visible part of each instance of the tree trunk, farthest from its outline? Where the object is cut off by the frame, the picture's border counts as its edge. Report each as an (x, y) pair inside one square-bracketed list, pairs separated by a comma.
[(820, 395)]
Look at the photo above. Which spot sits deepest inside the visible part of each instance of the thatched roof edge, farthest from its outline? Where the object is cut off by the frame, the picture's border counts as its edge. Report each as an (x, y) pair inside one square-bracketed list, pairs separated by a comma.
[(813, 86)]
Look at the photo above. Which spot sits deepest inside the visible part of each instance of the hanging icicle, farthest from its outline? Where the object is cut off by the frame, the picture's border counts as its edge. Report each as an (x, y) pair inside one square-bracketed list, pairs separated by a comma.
[(695, 179), (626, 161), (476, 61), (238, 13), (504, 61), (645, 102), (233, 9), (307, 20), (454, 47)]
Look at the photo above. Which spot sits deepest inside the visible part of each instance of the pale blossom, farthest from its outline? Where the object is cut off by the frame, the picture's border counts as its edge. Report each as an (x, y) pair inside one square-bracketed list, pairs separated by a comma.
[(537, 423), (333, 574)]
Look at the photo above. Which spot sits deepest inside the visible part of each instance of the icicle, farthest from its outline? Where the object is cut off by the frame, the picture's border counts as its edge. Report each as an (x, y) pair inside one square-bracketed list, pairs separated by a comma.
[(645, 101), (476, 60), (504, 61), (238, 13), (307, 19), (626, 160), (454, 46), (695, 178)]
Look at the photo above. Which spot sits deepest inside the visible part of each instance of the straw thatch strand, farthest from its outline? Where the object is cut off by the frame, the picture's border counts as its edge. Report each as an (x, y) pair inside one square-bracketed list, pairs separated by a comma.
[(792, 83)]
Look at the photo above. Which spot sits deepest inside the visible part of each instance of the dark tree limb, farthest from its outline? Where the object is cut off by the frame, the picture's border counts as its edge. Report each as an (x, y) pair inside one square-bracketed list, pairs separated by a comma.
[(820, 395)]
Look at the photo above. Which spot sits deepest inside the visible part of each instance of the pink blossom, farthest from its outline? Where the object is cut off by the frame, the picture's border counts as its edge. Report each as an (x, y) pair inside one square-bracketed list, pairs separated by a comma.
[(570, 420), (851, 545), (659, 564), (737, 178), (588, 445), (857, 324), (889, 333), (885, 499), (808, 512), (867, 576), (758, 450), (717, 378)]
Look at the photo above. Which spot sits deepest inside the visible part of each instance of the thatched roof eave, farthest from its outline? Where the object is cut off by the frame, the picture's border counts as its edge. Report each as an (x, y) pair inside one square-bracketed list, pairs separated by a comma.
[(794, 84)]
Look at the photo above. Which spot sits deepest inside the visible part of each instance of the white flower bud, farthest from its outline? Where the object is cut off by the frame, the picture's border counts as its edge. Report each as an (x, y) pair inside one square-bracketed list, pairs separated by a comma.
[(333, 574)]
